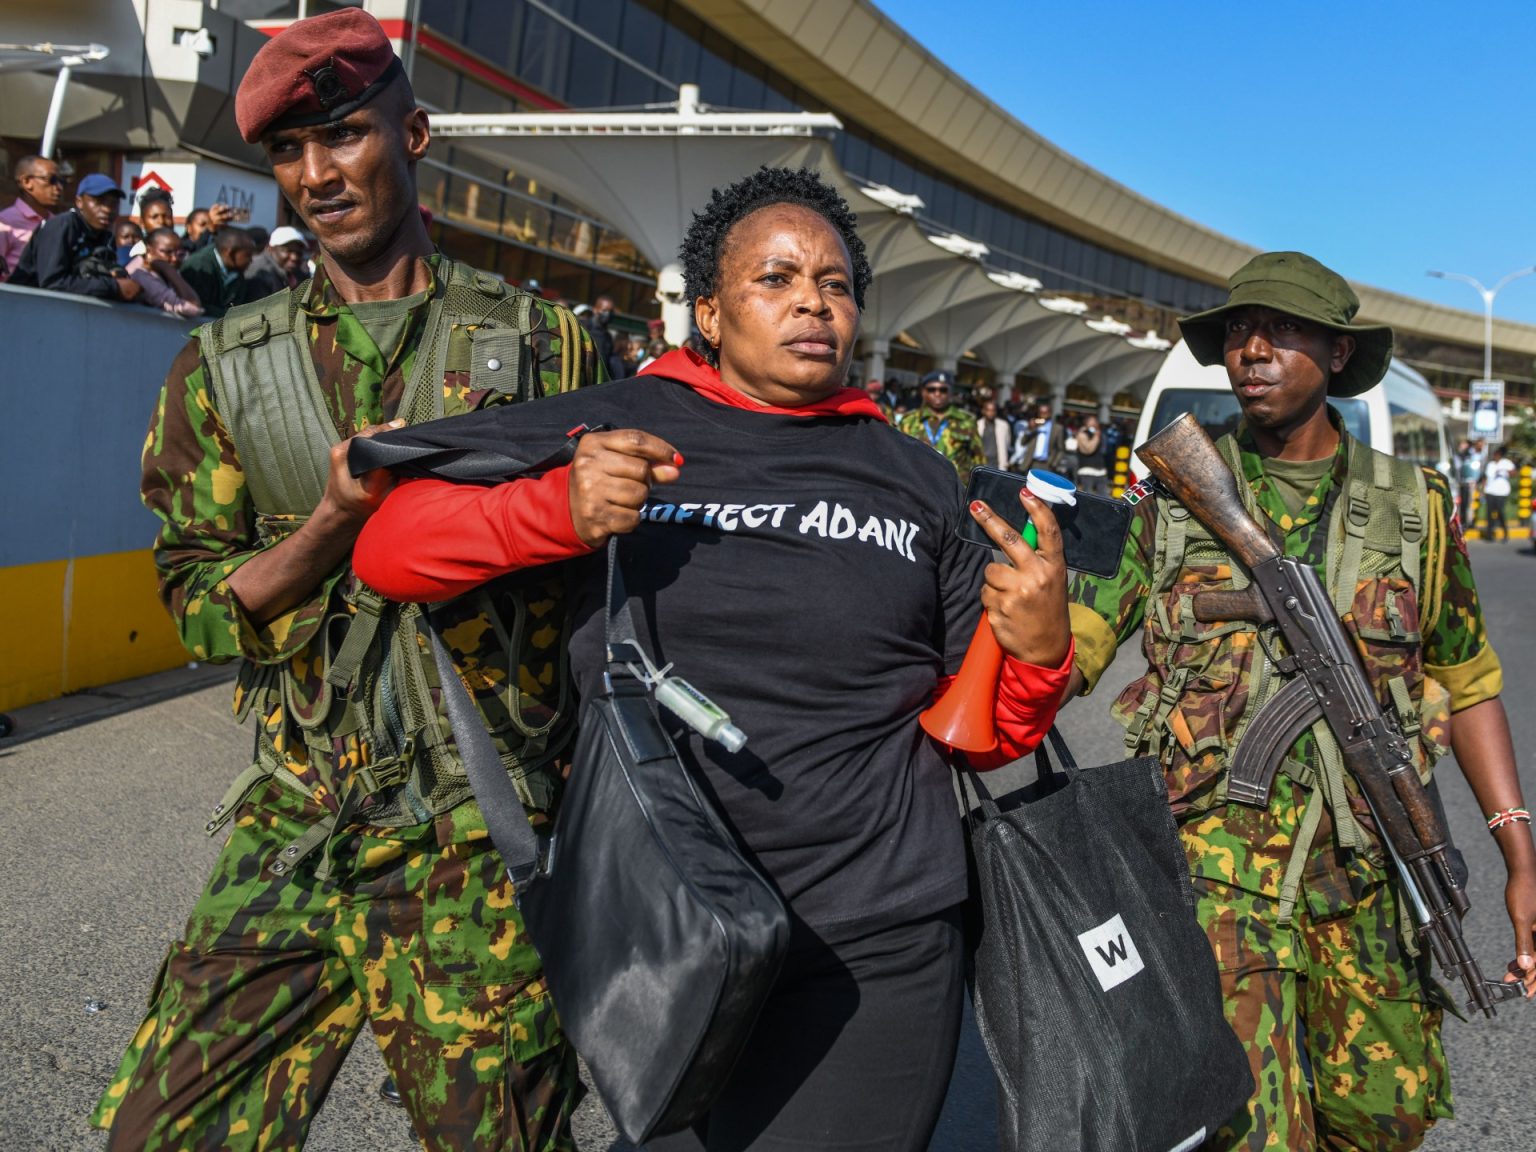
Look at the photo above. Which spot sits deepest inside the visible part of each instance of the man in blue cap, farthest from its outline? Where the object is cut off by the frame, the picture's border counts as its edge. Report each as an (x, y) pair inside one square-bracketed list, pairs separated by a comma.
[(72, 252)]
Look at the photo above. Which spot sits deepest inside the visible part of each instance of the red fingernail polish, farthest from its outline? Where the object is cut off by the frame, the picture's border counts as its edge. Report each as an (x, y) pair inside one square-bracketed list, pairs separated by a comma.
[(677, 458), (977, 505)]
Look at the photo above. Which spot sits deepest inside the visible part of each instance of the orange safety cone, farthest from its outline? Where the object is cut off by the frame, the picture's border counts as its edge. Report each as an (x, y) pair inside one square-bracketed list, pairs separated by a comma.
[(963, 717)]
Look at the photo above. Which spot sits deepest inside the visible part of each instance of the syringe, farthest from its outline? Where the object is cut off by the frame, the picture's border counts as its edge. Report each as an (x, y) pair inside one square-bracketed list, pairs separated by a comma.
[(687, 703), (699, 712)]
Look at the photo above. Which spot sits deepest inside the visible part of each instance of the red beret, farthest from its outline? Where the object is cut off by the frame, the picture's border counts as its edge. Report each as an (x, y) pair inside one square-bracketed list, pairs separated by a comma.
[(315, 71)]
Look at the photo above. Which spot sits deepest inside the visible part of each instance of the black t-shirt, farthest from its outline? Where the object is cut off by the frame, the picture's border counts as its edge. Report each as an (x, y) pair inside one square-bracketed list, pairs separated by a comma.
[(804, 574)]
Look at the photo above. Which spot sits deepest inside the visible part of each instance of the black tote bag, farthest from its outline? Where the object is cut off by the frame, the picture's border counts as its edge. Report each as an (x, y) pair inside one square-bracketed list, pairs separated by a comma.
[(660, 941), (1095, 990)]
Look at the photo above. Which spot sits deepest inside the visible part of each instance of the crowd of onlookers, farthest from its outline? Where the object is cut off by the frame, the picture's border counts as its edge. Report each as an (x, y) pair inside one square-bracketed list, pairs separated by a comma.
[(1485, 478), (91, 247), (1019, 433), (623, 353)]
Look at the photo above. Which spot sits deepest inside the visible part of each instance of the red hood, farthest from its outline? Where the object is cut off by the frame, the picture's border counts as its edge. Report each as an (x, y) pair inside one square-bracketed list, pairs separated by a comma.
[(688, 367)]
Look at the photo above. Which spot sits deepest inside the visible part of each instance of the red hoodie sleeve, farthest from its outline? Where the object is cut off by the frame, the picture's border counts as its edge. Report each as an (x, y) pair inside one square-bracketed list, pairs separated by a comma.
[(1028, 697), (433, 539)]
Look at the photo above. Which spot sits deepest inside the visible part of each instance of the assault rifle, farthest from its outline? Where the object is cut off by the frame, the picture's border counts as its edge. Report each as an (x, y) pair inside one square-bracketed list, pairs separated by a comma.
[(1326, 682)]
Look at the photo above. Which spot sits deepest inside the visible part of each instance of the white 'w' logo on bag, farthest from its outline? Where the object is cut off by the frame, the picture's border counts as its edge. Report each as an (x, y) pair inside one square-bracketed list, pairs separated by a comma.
[(1111, 952)]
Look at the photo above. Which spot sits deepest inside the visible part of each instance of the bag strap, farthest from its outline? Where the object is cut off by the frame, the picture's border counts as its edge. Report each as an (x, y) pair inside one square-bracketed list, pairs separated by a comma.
[(623, 643), (505, 818), (981, 794), (982, 797), (1058, 742)]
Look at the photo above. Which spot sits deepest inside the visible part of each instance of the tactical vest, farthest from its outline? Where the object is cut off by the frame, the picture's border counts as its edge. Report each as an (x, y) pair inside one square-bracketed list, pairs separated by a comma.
[(1207, 680), (378, 672)]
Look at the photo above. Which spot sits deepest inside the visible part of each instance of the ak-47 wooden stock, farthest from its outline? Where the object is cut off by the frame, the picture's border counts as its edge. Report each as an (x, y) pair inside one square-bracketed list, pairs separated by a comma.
[(1183, 458)]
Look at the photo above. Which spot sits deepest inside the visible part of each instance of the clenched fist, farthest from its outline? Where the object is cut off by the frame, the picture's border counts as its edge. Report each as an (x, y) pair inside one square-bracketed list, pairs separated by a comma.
[(611, 478)]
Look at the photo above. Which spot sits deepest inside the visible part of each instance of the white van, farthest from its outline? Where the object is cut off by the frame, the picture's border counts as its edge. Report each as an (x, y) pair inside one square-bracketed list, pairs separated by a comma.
[(1400, 416)]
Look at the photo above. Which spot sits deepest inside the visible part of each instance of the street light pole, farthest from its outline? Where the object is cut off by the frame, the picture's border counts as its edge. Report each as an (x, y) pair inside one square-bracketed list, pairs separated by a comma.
[(1487, 294)]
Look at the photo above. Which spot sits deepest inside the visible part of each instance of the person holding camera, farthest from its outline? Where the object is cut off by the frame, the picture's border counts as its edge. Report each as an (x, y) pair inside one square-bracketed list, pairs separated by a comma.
[(72, 252)]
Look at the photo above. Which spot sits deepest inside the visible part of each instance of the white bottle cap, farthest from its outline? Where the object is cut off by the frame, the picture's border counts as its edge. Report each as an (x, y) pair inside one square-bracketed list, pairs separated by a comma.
[(1050, 487)]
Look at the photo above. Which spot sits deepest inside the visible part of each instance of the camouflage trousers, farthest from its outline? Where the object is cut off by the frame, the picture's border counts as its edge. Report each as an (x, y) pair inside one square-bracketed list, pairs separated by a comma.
[(1368, 1015), (415, 933)]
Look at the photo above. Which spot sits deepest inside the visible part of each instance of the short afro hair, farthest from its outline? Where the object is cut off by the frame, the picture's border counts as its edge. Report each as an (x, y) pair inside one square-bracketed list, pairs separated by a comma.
[(704, 244)]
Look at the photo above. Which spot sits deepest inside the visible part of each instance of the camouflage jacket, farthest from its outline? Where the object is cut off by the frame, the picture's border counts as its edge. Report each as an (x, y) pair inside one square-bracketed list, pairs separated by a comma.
[(952, 434), (192, 480), (1445, 661)]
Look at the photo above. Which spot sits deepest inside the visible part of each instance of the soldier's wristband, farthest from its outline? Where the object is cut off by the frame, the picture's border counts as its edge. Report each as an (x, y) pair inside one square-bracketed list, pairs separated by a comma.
[(1508, 816)]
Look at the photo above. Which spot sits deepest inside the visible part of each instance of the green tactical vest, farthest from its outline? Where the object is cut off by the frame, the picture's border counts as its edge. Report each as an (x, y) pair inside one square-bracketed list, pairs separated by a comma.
[(1207, 680), (379, 674)]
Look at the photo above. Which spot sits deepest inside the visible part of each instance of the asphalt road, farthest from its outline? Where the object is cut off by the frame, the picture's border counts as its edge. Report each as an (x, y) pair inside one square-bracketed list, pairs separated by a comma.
[(106, 857)]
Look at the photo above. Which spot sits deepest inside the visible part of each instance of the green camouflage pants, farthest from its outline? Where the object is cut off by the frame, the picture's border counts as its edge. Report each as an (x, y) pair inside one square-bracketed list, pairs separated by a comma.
[(416, 933), (1370, 1024)]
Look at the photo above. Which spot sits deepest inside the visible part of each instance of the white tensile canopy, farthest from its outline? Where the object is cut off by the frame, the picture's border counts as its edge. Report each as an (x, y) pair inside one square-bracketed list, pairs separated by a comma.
[(647, 172)]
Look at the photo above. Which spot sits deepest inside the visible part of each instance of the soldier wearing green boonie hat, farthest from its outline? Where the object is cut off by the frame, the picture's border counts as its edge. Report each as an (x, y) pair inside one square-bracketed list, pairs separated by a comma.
[(1302, 910), (1297, 285)]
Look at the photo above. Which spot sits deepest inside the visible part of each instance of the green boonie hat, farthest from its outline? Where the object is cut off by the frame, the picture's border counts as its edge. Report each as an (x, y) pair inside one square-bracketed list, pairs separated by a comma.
[(1298, 285)]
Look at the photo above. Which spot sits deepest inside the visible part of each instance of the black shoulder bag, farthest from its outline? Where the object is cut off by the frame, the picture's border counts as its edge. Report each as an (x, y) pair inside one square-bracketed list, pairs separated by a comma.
[(1095, 990), (660, 941)]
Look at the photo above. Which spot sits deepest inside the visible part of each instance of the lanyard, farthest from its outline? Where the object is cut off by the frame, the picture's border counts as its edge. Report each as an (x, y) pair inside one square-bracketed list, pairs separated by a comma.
[(934, 434)]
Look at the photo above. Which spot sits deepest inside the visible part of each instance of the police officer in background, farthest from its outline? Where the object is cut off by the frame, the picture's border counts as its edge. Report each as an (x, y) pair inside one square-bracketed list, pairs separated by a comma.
[(944, 426), (1300, 906), (358, 884)]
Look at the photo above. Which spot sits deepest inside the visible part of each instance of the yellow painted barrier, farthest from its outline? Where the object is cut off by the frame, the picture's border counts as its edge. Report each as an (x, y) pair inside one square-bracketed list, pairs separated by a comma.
[(78, 623), (77, 582), (1121, 475)]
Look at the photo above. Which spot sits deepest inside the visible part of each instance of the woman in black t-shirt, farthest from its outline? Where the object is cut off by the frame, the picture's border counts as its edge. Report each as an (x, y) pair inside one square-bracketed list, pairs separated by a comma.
[(794, 556)]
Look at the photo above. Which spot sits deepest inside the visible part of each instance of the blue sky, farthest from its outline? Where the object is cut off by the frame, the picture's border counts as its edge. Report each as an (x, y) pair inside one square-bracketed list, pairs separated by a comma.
[(1383, 138)]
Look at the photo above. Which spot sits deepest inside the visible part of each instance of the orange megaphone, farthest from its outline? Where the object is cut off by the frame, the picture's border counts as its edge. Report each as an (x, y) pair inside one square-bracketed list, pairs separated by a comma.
[(963, 716)]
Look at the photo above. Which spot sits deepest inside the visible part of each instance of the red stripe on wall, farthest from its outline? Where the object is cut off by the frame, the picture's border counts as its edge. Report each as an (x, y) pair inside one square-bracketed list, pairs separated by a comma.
[(450, 53)]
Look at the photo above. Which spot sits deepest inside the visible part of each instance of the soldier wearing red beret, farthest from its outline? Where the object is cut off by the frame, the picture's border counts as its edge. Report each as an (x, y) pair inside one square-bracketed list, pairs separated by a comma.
[(358, 884)]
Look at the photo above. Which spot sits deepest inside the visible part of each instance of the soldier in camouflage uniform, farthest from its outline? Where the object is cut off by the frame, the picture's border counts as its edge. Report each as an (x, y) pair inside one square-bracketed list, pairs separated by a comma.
[(948, 430), (1302, 912), (358, 884)]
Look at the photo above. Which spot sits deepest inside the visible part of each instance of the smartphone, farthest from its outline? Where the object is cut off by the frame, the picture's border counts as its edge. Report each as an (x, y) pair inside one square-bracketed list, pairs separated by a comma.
[(1093, 531)]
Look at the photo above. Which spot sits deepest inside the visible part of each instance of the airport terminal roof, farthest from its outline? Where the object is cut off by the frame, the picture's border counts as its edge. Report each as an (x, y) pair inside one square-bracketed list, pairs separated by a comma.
[(868, 69)]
